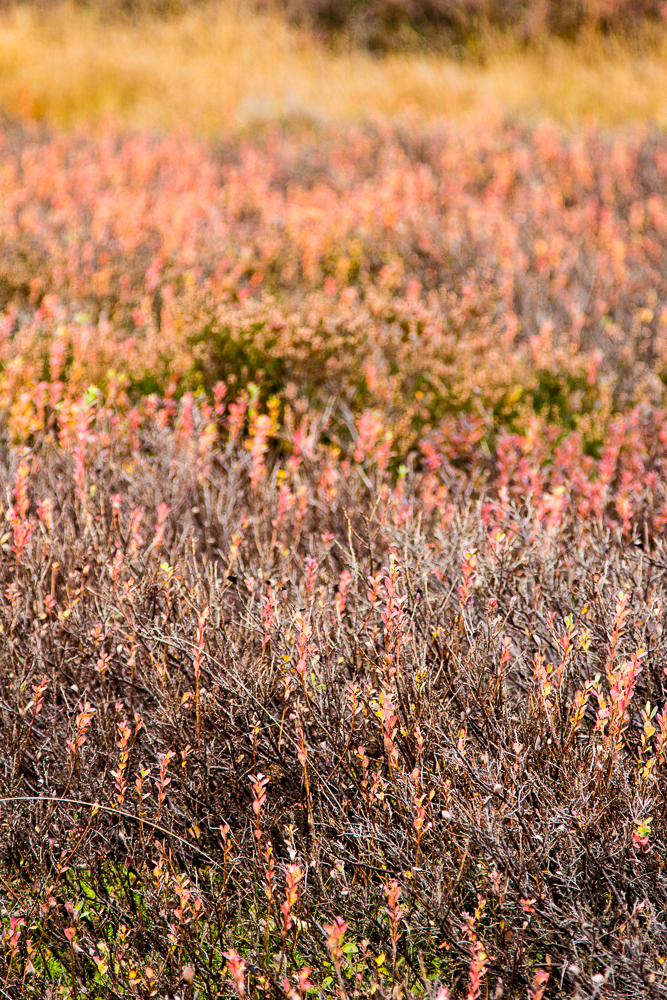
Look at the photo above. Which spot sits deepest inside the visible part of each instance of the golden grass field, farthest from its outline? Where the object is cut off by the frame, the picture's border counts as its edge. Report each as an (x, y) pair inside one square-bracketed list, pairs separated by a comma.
[(221, 69)]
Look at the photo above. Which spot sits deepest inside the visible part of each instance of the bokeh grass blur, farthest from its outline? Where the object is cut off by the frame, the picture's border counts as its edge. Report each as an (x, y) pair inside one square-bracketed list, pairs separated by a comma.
[(220, 68)]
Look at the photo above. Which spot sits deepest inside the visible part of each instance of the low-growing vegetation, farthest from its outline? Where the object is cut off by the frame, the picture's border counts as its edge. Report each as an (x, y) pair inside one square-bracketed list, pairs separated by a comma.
[(274, 722), (332, 564), (416, 274)]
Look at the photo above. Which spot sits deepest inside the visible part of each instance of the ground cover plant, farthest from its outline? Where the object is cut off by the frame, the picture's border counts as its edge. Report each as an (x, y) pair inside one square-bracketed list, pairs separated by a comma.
[(333, 564), (493, 272)]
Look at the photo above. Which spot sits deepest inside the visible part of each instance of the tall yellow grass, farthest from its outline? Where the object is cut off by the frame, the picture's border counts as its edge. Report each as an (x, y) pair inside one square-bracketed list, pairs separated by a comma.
[(224, 69)]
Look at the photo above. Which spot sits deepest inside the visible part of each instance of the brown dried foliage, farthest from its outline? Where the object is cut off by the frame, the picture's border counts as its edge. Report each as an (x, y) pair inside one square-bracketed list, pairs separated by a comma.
[(531, 851)]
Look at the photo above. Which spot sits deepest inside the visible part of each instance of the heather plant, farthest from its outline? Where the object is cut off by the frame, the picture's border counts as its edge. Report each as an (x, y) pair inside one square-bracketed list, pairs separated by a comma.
[(332, 573), (406, 738), (415, 274)]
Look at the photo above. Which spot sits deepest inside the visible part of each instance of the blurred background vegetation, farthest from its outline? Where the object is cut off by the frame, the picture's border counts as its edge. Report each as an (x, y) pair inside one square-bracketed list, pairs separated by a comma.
[(387, 25), (207, 67)]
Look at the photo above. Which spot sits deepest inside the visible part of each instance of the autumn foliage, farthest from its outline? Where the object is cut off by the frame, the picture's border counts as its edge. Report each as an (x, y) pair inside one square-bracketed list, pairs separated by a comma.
[(333, 573)]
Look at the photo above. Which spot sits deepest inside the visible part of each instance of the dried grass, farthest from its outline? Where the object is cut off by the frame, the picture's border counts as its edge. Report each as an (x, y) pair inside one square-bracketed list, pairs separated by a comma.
[(222, 69)]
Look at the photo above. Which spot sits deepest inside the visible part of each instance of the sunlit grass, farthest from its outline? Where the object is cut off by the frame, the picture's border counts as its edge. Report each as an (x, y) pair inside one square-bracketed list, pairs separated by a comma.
[(217, 70)]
